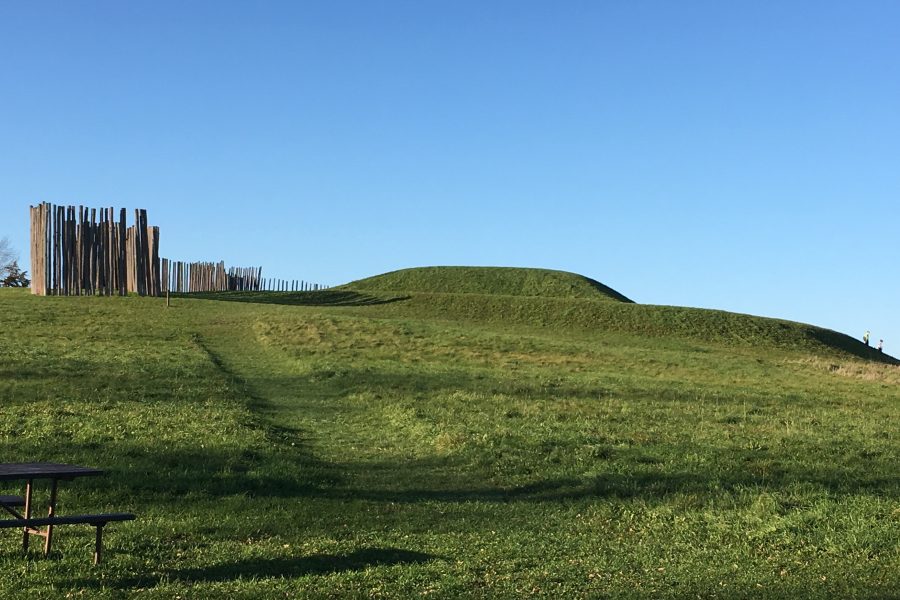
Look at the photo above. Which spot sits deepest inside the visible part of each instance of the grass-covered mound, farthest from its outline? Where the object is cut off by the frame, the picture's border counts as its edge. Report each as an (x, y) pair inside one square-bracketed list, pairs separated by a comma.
[(651, 321), (507, 281), (567, 301)]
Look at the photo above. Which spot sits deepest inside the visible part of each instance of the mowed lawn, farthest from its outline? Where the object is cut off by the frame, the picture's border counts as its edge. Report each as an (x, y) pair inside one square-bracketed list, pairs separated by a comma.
[(351, 449)]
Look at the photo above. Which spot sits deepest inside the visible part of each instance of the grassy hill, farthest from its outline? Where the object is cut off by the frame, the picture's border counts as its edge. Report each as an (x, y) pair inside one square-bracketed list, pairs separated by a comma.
[(390, 439), (568, 301), (507, 281)]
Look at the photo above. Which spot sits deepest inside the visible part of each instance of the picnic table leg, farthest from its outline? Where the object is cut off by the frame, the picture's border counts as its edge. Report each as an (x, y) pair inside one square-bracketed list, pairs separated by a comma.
[(28, 490), (50, 513), (98, 543)]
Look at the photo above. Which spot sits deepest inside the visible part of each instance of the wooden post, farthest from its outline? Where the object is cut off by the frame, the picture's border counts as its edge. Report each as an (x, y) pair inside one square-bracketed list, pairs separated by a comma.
[(72, 227), (153, 283), (130, 259), (35, 258), (102, 251), (64, 251), (144, 279), (92, 269), (79, 262), (57, 218)]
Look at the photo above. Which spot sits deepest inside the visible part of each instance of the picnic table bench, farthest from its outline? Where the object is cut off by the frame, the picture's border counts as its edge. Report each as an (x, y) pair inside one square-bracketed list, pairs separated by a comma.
[(29, 524)]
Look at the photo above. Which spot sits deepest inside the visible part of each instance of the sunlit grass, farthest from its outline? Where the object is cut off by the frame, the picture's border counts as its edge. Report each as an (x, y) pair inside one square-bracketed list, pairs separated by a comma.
[(380, 450)]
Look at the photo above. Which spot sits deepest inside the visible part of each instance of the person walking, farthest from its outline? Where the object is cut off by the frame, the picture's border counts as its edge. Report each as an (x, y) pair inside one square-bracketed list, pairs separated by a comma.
[(866, 338), (880, 345)]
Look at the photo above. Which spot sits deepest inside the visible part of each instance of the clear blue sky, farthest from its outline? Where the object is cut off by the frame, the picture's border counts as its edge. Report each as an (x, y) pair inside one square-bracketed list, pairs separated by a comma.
[(737, 155)]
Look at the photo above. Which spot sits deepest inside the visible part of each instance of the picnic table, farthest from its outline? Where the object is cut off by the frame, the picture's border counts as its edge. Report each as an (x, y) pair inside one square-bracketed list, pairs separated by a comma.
[(54, 472)]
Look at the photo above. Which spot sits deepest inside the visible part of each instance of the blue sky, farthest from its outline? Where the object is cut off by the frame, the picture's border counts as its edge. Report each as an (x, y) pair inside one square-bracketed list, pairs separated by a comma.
[(734, 155)]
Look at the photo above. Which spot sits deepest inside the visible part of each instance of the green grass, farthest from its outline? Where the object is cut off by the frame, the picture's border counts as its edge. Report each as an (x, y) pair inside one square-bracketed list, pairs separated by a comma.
[(507, 281), (394, 443)]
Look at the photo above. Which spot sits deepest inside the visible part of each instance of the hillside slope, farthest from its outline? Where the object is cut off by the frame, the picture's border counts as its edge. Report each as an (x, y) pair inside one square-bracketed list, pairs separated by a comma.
[(321, 445), (557, 299)]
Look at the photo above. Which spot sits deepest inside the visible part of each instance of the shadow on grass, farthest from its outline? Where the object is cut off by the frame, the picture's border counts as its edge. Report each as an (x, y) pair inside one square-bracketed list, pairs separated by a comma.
[(317, 564), (287, 466), (851, 346), (318, 298), (260, 568), (641, 486), (294, 474)]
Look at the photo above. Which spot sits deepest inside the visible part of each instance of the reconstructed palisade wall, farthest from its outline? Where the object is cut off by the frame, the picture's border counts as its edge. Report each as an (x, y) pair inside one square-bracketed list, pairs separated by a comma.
[(182, 277), (87, 251)]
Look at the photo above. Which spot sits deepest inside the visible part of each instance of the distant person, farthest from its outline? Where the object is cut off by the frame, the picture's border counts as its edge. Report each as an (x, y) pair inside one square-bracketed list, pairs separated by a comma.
[(880, 345), (866, 338)]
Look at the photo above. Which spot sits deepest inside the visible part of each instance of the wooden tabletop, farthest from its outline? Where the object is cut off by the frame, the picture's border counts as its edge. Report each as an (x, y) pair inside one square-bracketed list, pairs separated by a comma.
[(43, 470)]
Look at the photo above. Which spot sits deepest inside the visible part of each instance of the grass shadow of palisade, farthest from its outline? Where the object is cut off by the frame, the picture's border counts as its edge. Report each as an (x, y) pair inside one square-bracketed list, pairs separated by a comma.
[(312, 298)]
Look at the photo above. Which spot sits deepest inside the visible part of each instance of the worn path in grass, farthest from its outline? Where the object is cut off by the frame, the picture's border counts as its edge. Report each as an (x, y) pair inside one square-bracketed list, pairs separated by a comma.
[(533, 462)]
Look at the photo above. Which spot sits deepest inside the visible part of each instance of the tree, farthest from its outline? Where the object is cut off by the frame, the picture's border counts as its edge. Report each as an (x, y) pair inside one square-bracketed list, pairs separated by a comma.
[(10, 274), (13, 277), (7, 255)]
